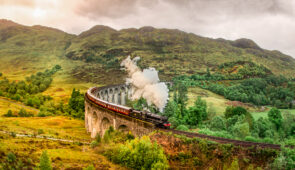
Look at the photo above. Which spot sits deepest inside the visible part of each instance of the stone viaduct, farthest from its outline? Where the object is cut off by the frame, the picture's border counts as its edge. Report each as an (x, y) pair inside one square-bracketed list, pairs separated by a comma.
[(98, 119)]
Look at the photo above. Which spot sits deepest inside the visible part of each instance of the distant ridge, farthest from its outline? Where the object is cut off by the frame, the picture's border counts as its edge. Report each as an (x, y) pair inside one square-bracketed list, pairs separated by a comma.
[(171, 51)]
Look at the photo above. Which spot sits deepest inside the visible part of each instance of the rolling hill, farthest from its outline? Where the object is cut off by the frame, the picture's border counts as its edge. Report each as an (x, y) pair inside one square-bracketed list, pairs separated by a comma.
[(94, 55)]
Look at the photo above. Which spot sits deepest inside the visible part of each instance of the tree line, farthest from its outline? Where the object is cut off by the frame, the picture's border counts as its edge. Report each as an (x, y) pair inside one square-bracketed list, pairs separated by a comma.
[(272, 90)]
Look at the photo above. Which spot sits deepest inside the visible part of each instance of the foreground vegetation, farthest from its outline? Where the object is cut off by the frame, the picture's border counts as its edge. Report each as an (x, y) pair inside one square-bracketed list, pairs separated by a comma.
[(158, 149), (26, 151)]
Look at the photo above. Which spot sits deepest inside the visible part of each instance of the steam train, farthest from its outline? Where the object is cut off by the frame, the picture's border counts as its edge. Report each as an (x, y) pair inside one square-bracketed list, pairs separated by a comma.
[(159, 121)]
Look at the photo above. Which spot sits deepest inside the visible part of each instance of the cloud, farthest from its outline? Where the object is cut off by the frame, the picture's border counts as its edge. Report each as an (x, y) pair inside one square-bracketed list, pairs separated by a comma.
[(27, 3), (270, 23)]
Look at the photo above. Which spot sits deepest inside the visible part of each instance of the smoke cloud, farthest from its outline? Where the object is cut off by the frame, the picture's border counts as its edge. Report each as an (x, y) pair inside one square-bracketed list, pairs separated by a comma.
[(146, 83)]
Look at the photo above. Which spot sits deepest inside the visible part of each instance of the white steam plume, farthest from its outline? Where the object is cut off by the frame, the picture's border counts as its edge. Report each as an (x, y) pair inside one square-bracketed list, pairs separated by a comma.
[(146, 84)]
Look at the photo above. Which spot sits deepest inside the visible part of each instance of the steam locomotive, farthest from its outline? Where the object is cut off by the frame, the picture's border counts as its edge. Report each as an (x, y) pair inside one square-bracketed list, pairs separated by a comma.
[(159, 121)]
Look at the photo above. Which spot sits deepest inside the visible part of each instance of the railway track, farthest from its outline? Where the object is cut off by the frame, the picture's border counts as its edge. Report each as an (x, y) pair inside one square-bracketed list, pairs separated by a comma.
[(225, 140)]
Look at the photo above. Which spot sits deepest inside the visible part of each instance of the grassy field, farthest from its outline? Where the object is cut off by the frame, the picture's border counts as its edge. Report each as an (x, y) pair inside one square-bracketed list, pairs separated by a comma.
[(6, 104), (58, 127), (257, 115), (215, 101), (63, 155), (63, 80)]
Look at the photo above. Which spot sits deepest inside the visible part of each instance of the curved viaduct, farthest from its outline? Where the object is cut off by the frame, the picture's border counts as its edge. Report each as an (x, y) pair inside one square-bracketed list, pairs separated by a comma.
[(98, 119)]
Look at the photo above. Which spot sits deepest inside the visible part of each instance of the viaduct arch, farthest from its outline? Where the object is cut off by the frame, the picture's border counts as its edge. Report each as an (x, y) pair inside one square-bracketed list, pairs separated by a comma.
[(98, 119)]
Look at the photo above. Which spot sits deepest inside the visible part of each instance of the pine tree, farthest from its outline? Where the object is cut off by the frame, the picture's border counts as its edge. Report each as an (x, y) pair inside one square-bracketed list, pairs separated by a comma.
[(45, 162)]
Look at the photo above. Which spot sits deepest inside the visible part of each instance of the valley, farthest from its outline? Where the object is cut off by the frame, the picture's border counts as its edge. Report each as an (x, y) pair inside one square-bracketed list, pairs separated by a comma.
[(223, 88)]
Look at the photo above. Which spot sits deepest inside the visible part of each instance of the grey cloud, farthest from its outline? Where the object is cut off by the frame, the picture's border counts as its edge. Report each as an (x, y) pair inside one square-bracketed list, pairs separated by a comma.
[(120, 8), (268, 22), (106, 8)]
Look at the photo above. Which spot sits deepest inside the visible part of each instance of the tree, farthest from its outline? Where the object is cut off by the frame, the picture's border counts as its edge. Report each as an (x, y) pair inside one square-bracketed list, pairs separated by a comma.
[(263, 128), (45, 162), (180, 96), (232, 111), (171, 109), (208, 74), (76, 103), (241, 130), (275, 116), (8, 114), (217, 123), (196, 114)]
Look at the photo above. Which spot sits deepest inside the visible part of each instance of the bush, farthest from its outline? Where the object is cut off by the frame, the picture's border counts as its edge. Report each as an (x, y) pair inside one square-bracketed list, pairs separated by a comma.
[(90, 167), (40, 131), (286, 160), (11, 158), (12, 134), (24, 113), (94, 144), (8, 114), (45, 162), (232, 111), (275, 116), (182, 128), (139, 154), (217, 123), (251, 139), (98, 138), (42, 114)]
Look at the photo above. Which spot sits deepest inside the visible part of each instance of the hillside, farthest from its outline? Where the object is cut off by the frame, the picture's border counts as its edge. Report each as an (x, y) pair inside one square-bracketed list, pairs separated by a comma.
[(163, 48), (94, 55)]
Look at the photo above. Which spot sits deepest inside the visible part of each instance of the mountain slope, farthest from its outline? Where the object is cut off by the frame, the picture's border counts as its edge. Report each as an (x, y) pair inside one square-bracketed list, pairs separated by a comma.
[(171, 51), (95, 54)]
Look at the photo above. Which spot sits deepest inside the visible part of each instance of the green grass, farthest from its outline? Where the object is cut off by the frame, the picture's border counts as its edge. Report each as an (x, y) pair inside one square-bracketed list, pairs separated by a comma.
[(257, 115), (215, 101)]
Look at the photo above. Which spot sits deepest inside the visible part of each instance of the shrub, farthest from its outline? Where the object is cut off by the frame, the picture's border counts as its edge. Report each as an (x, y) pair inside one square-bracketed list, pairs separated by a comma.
[(24, 113), (217, 123), (251, 139), (275, 116), (232, 111), (182, 128), (8, 114), (45, 162), (98, 138), (40, 131), (241, 130), (42, 114), (12, 134), (139, 154), (11, 158), (94, 144), (90, 167)]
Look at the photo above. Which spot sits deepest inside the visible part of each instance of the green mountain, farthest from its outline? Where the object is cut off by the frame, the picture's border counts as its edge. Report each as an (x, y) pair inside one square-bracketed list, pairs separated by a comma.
[(95, 55)]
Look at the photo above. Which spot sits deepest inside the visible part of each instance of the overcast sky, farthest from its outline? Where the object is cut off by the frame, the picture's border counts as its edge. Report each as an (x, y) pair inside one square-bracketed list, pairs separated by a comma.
[(270, 23)]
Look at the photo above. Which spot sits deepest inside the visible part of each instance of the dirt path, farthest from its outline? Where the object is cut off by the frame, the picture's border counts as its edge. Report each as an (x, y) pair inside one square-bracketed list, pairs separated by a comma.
[(18, 104)]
